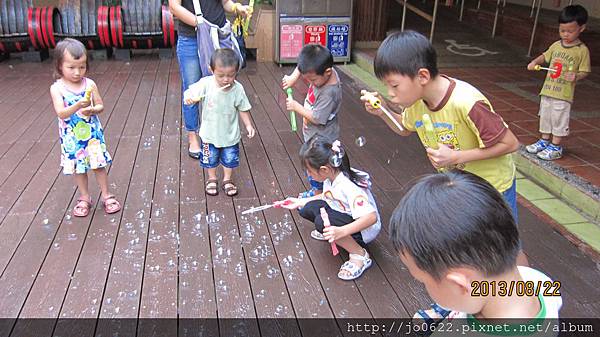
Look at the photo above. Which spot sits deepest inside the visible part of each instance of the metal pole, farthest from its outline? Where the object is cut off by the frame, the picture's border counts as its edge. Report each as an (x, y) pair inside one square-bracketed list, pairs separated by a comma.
[(462, 9), (496, 18), (435, 8), (537, 14), (403, 15), (532, 8), (570, 2), (478, 4)]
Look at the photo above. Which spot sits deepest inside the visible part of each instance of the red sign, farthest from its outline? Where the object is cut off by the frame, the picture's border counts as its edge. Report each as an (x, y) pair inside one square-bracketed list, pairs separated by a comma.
[(315, 34), (290, 41)]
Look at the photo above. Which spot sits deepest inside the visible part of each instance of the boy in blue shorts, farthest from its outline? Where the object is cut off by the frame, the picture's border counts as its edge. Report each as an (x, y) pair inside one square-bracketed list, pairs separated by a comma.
[(224, 100)]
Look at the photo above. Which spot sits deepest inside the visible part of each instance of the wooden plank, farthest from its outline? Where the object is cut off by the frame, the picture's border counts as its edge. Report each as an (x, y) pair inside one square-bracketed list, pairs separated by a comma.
[(127, 266), (197, 298)]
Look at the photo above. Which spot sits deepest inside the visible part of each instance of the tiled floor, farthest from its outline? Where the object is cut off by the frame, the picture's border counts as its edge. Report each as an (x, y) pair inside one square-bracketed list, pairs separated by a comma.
[(513, 93)]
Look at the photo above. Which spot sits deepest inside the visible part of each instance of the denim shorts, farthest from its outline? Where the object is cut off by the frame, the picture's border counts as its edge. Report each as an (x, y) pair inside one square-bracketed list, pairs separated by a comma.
[(211, 156), (510, 196)]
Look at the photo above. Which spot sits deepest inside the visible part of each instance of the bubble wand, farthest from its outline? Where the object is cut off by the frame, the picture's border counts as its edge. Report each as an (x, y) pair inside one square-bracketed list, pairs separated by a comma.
[(326, 223), (538, 68), (376, 103), (292, 113), (429, 136)]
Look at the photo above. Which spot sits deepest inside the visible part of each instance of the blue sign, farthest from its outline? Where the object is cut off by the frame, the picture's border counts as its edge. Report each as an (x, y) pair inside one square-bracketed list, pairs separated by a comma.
[(337, 39)]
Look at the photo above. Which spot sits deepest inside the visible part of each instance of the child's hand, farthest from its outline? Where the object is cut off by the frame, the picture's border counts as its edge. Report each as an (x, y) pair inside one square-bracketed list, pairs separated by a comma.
[(290, 203), (292, 105), (531, 65), (333, 233), (288, 81), (365, 95), (87, 111), (251, 131), (442, 157), (83, 103)]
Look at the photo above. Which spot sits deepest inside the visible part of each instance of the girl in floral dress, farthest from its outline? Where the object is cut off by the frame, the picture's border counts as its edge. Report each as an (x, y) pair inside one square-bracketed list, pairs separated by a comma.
[(77, 103)]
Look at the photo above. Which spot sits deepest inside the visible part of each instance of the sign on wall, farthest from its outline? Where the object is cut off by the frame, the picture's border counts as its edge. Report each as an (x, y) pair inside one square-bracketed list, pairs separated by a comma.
[(337, 40), (290, 41)]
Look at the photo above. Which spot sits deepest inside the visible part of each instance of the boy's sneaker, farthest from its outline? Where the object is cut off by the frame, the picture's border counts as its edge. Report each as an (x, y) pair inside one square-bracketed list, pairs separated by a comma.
[(538, 146), (551, 152)]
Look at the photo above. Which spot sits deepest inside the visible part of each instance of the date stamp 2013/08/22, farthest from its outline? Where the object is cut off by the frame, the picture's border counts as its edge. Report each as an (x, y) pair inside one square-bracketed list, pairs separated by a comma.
[(519, 288)]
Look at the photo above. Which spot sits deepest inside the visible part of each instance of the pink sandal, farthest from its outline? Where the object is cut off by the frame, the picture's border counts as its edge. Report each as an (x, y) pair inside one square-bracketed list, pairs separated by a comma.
[(111, 204), (82, 208)]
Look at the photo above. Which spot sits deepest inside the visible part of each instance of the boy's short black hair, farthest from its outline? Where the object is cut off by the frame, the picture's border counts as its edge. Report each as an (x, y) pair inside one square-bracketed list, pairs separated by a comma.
[(405, 53), (455, 219), (225, 57), (573, 13), (314, 57)]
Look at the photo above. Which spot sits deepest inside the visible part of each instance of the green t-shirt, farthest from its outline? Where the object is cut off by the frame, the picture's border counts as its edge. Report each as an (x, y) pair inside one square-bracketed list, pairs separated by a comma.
[(564, 59), (220, 124)]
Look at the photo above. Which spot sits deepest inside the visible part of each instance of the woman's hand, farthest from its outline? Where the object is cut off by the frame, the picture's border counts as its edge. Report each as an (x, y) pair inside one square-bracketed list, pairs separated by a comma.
[(531, 65), (242, 10)]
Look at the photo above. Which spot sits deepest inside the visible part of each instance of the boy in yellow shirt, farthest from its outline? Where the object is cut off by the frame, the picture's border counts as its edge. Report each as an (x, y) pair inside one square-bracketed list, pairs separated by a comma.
[(470, 134), (569, 60)]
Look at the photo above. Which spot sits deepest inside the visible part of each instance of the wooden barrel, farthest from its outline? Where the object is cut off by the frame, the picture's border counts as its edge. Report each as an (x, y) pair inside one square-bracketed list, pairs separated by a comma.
[(80, 20), (39, 26), (13, 17), (114, 31)]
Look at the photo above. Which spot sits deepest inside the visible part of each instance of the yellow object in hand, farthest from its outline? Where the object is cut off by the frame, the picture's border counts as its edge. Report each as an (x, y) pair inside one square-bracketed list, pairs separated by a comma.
[(429, 136), (88, 94)]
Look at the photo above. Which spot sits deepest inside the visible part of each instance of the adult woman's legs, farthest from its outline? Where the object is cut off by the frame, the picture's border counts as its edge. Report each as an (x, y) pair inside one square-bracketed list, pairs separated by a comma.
[(189, 69)]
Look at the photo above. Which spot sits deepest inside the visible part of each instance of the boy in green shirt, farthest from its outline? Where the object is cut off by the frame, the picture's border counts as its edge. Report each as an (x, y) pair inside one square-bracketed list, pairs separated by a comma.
[(456, 235), (224, 100), (569, 61)]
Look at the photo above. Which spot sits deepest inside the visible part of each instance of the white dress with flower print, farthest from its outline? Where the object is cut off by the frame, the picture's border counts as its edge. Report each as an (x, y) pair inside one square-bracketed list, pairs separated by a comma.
[(81, 137)]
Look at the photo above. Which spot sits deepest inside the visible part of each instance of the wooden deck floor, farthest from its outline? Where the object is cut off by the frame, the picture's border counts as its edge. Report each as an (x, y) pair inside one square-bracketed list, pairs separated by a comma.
[(175, 253)]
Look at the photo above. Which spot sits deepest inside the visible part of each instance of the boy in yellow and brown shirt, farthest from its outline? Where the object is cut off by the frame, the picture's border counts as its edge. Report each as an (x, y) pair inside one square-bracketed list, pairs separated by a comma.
[(569, 60)]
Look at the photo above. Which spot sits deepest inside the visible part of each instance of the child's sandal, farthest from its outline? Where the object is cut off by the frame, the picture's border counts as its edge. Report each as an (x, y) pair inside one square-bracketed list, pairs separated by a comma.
[(211, 188), (432, 317), (111, 204), (315, 234), (352, 269), (229, 188), (82, 208)]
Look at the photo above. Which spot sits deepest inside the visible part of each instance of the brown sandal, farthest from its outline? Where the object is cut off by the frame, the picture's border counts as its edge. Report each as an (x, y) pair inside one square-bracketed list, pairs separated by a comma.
[(211, 188), (229, 188), (82, 208)]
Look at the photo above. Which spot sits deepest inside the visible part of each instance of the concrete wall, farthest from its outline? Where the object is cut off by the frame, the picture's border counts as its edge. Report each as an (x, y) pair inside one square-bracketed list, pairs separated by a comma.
[(592, 6)]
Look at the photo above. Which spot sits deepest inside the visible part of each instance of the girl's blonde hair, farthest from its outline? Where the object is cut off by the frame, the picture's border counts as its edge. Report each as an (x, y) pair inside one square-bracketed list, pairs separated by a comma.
[(74, 47)]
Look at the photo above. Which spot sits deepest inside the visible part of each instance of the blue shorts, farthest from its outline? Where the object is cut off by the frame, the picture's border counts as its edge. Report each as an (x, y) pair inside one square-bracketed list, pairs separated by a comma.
[(510, 196), (212, 156)]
